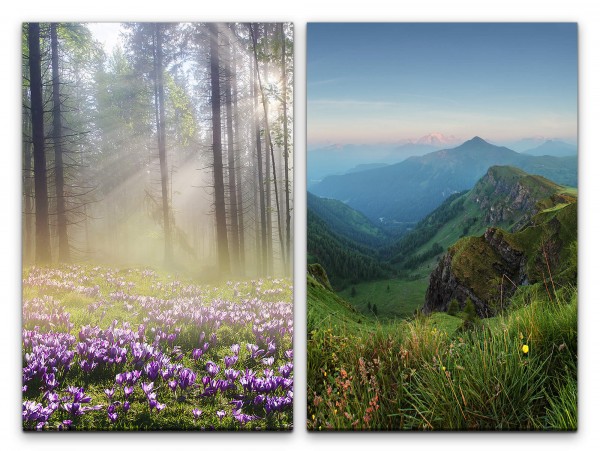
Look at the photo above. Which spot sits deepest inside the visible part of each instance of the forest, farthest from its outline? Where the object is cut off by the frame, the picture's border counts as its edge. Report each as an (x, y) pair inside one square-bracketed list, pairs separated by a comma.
[(120, 159), (157, 226)]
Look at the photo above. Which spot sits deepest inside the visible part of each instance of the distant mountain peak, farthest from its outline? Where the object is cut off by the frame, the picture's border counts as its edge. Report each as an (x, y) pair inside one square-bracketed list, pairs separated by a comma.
[(477, 143), (437, 139), (477, 139)]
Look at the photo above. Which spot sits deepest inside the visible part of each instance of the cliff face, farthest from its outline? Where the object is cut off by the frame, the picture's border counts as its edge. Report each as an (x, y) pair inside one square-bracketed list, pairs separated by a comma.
[(506, 195), (482, 269)]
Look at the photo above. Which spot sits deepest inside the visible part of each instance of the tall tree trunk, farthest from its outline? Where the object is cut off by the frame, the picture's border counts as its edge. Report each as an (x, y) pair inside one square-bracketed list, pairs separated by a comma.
[(261, 184), (159, 90), (279, 230), (42, 229), (64, 253), (285, 149), (257, 228), (269, 145), (27, 187), (220, 216), (238, 169), (233, 202), (267, 164)]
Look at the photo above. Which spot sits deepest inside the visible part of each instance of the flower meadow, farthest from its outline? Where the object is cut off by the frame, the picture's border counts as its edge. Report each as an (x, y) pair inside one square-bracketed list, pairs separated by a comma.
[(108, 349)]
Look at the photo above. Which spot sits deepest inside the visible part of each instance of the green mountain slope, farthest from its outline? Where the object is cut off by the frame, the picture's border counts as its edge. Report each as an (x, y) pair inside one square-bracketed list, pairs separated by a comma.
[(325, 308), (505, 197), (346, 261), (346, 222), (408, 191)]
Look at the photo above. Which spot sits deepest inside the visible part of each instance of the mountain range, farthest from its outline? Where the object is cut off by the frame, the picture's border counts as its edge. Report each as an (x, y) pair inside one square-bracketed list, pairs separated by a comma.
[(406, 192), (340, 159), (553, 148)]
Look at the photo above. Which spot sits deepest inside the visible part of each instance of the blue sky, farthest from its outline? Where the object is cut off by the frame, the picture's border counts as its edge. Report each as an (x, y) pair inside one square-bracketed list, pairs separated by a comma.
[(370, 83)]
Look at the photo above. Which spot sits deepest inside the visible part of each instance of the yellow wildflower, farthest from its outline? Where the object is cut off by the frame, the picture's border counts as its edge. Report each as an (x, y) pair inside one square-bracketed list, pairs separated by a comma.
[(525, 349)]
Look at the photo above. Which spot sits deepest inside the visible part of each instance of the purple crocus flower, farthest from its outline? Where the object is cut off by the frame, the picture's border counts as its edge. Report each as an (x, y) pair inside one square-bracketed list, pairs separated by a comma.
[(152, 369), (112, 414), (235, 349), (74, 408), (230, 361), (242, 417), (237, 404), (212, 368), (50, 381), (127, 391), (172, 384), (126, 406), (286, 369), (186, 378), (197, 413), (268, 361), (109, 392), (220, 414), (197, 353), (52, 397), (147, 388), (231, 374), (120, 378)]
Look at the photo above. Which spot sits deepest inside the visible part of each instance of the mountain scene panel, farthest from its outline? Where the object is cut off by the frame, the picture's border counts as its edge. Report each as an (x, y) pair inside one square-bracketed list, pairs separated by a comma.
[(439, 261)]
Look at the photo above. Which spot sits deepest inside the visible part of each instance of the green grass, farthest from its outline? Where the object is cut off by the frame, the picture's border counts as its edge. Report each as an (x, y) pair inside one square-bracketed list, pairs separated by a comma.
[(428, 374), (400, 301)]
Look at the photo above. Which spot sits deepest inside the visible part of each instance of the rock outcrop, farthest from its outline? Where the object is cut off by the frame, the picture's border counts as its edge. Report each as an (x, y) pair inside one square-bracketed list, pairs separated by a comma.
[(489, 268), (482, 269), (507, 195)]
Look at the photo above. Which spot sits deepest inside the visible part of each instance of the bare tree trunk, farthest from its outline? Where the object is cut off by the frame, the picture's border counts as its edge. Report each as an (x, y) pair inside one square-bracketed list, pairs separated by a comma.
[(285, 149), (220, 216), (233, 202), (269, 208), (269, 145), (64, 254), (261, 186), (238, 168), (159, 91), (42, 229), (27, 188)]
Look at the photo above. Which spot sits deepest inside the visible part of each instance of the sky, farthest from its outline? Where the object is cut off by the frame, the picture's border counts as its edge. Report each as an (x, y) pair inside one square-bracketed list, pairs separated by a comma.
[(375, 83), (107, 33)]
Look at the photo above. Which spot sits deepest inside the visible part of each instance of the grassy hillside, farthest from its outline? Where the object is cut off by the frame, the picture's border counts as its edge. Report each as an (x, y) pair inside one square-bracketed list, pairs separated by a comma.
[(517, 371), (394, 298), (327, 310), (345, 260), (346, 222)]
